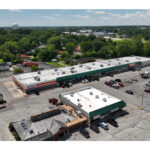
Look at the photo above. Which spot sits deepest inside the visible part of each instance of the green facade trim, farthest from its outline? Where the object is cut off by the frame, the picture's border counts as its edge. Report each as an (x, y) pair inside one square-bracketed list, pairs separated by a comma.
[(107, 109)]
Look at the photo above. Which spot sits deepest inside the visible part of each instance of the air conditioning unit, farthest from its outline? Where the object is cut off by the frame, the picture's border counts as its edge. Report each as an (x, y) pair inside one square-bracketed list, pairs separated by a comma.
[(104, 100), (39, 72), (91, 93)]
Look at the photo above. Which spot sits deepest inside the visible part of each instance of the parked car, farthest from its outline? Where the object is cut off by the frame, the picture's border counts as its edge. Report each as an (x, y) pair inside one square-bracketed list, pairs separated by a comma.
[(129, 92), (116, 86), (129, 81), (147, 90), (84, 132), (147, 84), (108, 83), (94, 128), (118, 80), (85, 81), (104, 125), (53, 100), (3, 101), (120, 84), (113, 122), (135, 80), (112, 81)]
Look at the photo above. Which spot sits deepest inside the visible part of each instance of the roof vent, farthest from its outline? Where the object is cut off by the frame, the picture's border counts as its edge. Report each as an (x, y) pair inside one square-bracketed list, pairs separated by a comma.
[(31, 131), (79, 105), (104, 100), (93, 63), (91, 93), (38, 79), (127, 60), (63, 72), (119, 63), (39, 72), (90, 106), (80, 65), (71, 94), (97, 96), (108, 64)]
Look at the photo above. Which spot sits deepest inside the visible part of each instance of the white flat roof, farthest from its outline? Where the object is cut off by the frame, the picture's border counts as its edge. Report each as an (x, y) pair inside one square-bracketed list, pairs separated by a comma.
[(90, 98), (28, 79)]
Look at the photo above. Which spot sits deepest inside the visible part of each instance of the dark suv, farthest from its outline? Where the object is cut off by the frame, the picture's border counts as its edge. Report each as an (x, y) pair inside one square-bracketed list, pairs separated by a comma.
[(85, 133), (113, 122), (94, 128)]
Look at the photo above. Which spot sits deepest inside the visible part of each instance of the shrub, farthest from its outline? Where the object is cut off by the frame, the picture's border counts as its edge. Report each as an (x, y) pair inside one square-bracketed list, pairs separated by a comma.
[(18, 70), (11, 127), (34, 68)]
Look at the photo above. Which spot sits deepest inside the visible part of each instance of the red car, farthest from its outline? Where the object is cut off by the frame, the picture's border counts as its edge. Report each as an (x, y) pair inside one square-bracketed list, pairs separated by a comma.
[(121, 84), (108, 83), (148, 90), (53, 100)]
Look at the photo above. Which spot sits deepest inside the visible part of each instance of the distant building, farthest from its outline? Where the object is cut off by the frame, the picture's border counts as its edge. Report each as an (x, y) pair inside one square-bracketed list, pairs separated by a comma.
[(15, 26)]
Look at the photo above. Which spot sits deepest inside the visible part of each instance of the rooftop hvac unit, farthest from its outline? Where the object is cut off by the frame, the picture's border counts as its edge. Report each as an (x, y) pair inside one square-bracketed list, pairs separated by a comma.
[(109, 60), (97, 96), (91, 93), (39, 72), (93, 63), (70, 110), (71, 94), (89, 68), (119, 63), (72, 71), (101, 65), (104, 100), (79, 113), (56, 69), (68, 120), (108, 64), (117, 59), (90, 106), (71, 68), (127, 60), (78, 100), (35, 77), (38, 79), (63, 72), (79, 105), (31, 131), (80, 65)]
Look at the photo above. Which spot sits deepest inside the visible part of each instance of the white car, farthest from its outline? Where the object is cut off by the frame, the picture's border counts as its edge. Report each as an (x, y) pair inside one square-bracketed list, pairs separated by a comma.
[(104, 125), (116, 86), (129, 81), (85, 81)]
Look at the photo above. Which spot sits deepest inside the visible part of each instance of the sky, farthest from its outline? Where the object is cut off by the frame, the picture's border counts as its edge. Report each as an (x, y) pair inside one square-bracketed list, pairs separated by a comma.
[(74, 17)]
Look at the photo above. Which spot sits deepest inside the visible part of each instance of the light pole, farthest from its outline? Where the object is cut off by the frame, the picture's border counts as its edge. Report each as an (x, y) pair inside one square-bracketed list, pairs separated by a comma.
[(141, 107)]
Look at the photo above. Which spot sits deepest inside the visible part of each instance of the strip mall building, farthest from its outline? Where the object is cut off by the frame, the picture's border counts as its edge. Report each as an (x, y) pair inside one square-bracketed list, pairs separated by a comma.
[(31, 82)]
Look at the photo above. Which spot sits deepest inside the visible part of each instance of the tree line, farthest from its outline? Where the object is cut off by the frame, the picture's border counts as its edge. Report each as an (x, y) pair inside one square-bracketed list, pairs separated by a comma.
[(28, 41)]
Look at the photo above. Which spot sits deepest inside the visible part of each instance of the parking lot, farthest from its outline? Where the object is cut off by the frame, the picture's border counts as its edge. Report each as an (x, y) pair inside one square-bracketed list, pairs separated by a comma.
[(133, 126)]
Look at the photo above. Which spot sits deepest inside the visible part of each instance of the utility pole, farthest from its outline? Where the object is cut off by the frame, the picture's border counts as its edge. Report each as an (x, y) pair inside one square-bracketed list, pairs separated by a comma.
[(141, 107)]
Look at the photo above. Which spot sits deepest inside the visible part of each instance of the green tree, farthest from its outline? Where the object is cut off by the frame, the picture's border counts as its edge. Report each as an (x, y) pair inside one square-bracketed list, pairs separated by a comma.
[(47, 53), (34, 68), (18, 70), (55, 40), (97, 44), (126, 48), (70, 47), (147, 48), (85, 46), (64, 55), (24, 44), (11, 47)]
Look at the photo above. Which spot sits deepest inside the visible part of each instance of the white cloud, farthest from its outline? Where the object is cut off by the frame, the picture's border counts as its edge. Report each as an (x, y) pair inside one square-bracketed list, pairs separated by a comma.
[(48, 17), (16, 10), (80, 16), (100, 12)]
